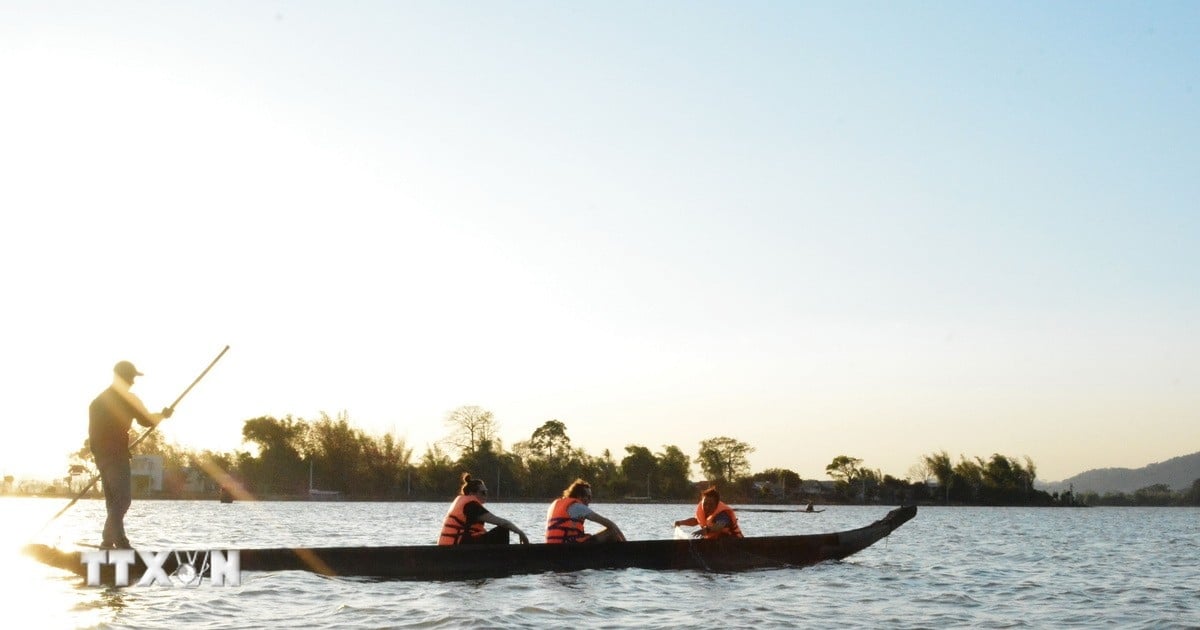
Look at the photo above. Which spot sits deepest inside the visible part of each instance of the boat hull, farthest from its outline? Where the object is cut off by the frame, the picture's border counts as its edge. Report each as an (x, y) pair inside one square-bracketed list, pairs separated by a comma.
[(431, 562)]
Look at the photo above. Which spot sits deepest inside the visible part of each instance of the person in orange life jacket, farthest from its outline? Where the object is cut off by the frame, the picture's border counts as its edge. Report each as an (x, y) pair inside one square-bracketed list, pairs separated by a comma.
[(714, 517), (110, 417), (564, 519), (464, 521)]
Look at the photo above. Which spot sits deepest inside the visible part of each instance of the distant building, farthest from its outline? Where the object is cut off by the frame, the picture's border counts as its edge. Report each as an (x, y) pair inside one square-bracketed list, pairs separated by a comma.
[(147, 471), (807, 490), (816, 488)]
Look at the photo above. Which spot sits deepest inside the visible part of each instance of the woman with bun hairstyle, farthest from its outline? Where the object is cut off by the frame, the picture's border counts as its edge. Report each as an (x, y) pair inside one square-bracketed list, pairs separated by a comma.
[(464, 521)]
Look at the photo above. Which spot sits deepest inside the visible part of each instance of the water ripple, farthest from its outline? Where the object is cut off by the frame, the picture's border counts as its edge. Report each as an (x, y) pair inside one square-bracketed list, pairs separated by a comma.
[(949, 567)]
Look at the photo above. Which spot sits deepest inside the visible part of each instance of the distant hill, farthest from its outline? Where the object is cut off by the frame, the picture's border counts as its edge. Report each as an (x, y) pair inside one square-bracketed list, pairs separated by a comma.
[(1177, 472)]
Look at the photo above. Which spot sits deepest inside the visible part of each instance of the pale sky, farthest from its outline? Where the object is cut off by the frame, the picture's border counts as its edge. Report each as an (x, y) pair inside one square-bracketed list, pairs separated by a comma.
[(880, 230)]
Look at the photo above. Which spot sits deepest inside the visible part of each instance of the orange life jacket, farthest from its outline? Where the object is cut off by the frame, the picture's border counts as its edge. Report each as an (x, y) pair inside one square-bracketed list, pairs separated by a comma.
[(455, 526), (560, 527), (732, 530)]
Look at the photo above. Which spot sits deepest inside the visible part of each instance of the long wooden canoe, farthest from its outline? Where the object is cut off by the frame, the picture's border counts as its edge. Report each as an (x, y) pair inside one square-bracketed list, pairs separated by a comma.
[(431, 562)]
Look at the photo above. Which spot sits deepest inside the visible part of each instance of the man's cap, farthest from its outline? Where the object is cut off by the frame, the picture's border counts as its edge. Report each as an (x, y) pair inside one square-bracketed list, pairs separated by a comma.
[(125, 370)]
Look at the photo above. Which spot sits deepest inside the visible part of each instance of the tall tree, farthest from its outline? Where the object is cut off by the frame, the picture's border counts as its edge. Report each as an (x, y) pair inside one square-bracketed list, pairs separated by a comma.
[(336, 449), (388, 462), (844, 469), (436, 474), (602, 471), (787, 478), (1030, 473), (469, 426), (278, 466), (724, 459), (638, 468), (783, 483), (550, 461), (970, 474), (1000, 473), (938, 464), (550, 440), (674, 473)]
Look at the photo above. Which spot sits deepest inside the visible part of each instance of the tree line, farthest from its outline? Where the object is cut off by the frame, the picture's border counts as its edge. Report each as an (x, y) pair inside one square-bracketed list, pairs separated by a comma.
[(1155, 495), (288, 456)]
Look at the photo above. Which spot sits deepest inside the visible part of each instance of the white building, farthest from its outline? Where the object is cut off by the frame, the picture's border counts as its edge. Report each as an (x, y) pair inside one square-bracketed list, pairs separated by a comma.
[(147, 471)]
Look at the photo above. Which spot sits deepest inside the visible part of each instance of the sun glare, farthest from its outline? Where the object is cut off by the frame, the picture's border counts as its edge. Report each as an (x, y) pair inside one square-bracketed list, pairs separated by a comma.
[(32, 590)]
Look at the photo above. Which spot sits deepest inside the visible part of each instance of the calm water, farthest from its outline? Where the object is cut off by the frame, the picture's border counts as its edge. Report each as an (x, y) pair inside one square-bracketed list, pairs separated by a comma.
[(948, 567)]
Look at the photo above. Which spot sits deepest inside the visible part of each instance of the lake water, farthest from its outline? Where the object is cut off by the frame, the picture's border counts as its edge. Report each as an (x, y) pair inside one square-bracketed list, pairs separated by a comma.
[(948, 567)]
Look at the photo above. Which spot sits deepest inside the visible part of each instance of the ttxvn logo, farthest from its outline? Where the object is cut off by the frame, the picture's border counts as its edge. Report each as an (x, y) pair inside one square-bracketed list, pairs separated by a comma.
[(165, 568)]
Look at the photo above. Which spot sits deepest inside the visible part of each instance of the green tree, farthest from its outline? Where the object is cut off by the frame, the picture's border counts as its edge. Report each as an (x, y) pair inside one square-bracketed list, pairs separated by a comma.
[(388, 461), (674, 470), (495, 467), (783, 482), (512, 478), (1158, 494), (1193, 495), (1030, 473), (638, 468), (893, 490), (550, 461), (1001, 478), (1005, 480), (550, 441), (223, 469), (336, 450), (724, 459), (278, 467), (968, 475), (938, 464), (435, 474), (844, 469), (603, 472)]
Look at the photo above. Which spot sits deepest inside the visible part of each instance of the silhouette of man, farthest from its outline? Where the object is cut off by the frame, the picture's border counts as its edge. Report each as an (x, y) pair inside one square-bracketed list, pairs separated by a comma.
[(110, 417)]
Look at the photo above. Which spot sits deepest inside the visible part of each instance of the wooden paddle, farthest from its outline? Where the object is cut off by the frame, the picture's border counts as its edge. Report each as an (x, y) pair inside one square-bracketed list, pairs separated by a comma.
[(141, 437)]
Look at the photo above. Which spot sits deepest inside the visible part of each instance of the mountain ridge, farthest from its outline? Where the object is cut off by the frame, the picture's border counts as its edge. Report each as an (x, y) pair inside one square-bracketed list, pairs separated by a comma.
[(1178, 473)]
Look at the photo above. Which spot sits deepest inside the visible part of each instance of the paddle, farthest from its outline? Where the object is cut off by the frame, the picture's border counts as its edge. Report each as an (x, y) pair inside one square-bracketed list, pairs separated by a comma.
[(141, 437)]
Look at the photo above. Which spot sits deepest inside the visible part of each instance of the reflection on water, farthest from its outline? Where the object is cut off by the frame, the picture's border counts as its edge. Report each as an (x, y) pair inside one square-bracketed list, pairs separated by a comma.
[(112, 598), (947, 567)]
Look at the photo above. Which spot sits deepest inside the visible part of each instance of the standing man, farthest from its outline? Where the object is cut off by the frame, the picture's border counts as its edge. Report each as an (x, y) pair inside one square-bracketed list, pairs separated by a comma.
[(110, 417)]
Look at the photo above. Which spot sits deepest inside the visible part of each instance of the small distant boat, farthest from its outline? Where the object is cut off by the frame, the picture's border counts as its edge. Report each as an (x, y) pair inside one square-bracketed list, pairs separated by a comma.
[(458, 562), (225, 495)]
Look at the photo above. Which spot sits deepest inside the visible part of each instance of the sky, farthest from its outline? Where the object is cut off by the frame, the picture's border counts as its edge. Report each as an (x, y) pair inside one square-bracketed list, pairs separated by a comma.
[(873, 229)]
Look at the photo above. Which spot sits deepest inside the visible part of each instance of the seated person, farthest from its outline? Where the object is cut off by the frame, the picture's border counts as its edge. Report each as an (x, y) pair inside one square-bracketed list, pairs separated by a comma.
[(714, 517), (564, 519), (464, 521)]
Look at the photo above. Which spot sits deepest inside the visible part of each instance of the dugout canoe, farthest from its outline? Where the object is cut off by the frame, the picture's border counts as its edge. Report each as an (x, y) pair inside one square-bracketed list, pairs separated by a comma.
[(431, 562)]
